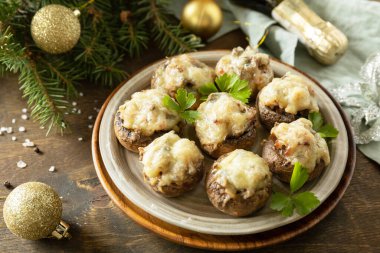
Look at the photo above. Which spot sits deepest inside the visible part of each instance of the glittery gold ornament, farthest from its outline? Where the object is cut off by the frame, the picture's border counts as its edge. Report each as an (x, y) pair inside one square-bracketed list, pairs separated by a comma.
[(55, 28), (202, 17), (33, 211)]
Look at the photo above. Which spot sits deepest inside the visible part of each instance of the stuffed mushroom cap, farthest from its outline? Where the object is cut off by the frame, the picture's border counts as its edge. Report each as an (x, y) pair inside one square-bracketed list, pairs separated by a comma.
[(296, 142), (224, 119), (239, 183), (142, 118), (292, 93), (172, 165), (249, 65), (182, 71)]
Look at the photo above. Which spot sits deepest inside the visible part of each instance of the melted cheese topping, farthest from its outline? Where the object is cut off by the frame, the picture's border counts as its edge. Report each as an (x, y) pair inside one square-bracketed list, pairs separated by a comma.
[(243, 171), (146, 113), (222, 116), (249, 65), (170, 159), (301, 143), (180, 71), (291, 93)]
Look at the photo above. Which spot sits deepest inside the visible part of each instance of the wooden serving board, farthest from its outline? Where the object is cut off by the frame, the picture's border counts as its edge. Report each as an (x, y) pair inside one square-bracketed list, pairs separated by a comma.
[(221, 242)]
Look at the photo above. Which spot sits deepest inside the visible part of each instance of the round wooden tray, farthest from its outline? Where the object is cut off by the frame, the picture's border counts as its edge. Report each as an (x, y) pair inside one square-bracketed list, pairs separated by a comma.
[(218, 242)]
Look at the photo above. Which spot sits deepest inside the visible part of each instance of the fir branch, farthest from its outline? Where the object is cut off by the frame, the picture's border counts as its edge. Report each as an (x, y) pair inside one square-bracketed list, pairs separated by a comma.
[(45, 98), (7, 11), (108, 73), (172, 39), (68, 78), (133, 37)]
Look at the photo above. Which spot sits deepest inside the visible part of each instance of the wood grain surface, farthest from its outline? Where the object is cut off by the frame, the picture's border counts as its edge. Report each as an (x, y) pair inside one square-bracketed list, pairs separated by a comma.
[(99, 226)]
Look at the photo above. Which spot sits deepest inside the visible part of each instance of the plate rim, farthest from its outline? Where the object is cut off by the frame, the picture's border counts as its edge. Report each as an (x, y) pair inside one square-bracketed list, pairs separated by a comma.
[(196, 239)]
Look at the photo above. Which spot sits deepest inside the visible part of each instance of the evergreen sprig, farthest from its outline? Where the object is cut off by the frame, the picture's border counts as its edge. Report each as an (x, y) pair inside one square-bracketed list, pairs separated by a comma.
[(172, 38), (110, 30)]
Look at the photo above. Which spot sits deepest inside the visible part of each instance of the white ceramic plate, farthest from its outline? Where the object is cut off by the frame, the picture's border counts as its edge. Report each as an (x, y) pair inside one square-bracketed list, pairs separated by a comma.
[(193, 211)]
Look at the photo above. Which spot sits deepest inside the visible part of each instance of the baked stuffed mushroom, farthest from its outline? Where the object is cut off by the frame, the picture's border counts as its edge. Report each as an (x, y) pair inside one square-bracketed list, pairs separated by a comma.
[(225, 124), (239, 183), (293, 142), (172, 166), (182, 71), (249, 65), (286, 99), (143, 118)]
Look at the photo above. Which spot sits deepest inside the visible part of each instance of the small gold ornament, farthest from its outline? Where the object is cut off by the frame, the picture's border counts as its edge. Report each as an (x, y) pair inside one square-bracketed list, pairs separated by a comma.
[(55, 28), (33, 211), (202, 17)]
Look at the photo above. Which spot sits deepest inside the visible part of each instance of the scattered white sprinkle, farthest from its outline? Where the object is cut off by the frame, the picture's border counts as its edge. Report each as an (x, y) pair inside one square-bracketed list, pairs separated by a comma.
[(26, 140), (28, 144), (90, 126), (9, 130), (22, 129), (42, 127), (97, 110), (24, 110), (81, 94), (61, 197), (3, 129), (24, 117), (14, 138), (66, 113), (13, 121), (52, 168), (80, 139), (1, 132), (21, 164), (74, 103), (79, 111), (90, 117)]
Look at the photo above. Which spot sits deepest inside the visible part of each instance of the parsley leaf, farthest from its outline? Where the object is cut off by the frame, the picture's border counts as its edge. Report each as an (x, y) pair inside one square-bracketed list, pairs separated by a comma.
[(238, 88), (183, 101), (328, 131), (303, 202), (316, 119), (324, 130), (207, 89), (299, 177), (282, 203)]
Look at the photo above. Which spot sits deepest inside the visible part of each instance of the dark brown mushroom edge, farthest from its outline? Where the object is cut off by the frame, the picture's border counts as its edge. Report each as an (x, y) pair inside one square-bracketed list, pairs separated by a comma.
[(239, 183), (292, 142), (143, 118), (285, 99), (182, 71), (249, 65), (225, 124), (172, 165)]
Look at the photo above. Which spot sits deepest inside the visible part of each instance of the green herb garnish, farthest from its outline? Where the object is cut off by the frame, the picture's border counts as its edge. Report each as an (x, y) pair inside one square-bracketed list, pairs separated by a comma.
[(303, 202), (182, 102), (324, 130), (232, 84)]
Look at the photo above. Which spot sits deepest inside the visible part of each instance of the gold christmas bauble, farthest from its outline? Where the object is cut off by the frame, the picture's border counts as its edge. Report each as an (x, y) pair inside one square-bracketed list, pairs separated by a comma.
[(55, 28), (202, 17), (32, 210)]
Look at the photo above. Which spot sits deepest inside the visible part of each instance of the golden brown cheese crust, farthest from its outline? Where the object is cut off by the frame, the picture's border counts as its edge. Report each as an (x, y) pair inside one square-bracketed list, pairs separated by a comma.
[(225, 124), (239, 183), (172, 165), (249, 65), (182, 71)]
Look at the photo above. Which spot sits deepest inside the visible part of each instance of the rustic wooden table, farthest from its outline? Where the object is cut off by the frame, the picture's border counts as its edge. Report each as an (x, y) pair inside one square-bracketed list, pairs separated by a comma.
[(97, 225)]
